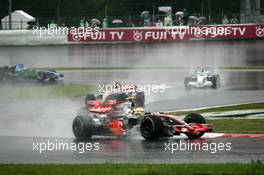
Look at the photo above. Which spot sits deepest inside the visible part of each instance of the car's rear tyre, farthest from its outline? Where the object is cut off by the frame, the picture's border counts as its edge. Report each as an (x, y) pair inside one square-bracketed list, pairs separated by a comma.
[(82, 127), (2, 74), (215, 81), (194, 118), (140, 99), (89, 97), (151, 127), (186, 83), (41, 76)]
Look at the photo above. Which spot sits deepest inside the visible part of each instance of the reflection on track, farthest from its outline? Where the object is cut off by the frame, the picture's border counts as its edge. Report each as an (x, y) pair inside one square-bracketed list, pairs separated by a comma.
[(232, 80), (133, 150), (180, 54)]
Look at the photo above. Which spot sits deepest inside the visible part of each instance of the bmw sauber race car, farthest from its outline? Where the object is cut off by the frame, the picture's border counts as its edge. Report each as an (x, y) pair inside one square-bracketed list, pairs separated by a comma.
[(202, 79), (21, 72), (116, 115)]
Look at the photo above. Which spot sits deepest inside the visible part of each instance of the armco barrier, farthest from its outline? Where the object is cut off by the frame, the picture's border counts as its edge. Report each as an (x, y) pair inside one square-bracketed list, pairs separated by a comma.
[(28, 37), (138, 34)]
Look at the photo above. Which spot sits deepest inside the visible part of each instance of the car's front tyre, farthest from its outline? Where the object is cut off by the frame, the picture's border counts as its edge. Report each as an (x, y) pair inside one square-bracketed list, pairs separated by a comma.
[(151, 127), (89, 97), (194, 118), (187, 80), (82, 127)]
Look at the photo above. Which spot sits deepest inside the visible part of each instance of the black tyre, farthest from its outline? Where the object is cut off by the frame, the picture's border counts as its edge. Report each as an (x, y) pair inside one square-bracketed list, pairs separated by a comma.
[(218, 82), (215, 81), (186, 81), (89, 97), (151, 127), (2, 74), (140, 99), (82, 127), (41, 76), (194, 118)]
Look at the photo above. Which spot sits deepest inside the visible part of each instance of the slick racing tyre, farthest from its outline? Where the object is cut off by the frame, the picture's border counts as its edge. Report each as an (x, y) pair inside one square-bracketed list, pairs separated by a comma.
[(82, 127), (151, 127), (194, 118), (89, 97)]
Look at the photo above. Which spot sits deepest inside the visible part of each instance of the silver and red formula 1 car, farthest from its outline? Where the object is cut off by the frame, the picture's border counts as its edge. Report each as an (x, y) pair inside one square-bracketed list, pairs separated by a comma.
[(117, 93), (116, 115)]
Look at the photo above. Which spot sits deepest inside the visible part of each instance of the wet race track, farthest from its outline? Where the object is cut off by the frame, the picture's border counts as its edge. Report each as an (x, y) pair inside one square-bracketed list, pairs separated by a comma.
[(26, 122), (131, 150)]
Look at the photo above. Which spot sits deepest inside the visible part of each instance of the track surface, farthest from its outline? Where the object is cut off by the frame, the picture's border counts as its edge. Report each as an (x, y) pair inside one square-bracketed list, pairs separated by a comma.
[(237, 87), (53, 117), (182, 54), (25, 122), (131, 150)]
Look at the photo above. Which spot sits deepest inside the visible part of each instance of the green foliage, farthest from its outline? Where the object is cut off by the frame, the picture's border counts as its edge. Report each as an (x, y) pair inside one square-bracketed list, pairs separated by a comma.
[(38, 92), (257, 105), (238, 126), (82, 8)]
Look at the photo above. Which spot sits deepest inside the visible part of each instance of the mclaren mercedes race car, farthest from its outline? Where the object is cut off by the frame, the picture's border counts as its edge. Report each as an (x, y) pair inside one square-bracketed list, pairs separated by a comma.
[(114, 117), (202, 79), (21, 72), (112, 114)]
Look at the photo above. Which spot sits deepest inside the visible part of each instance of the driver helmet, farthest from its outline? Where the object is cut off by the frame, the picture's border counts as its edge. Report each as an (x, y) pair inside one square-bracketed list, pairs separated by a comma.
[(19, 67)]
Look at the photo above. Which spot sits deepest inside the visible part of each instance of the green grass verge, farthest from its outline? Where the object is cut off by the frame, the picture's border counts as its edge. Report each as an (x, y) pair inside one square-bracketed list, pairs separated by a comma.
[(256, 168), (229, 125), (258, 105), (25, 92), (238, 126)]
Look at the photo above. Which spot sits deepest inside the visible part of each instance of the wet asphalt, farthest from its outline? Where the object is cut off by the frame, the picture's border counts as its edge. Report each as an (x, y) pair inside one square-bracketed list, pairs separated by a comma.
[(130, 150), (26, 122)]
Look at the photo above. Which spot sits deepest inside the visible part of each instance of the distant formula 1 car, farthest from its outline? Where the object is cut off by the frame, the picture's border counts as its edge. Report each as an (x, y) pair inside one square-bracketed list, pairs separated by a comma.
[(202, 79), (116, 115), (119, 92), (21, 72)]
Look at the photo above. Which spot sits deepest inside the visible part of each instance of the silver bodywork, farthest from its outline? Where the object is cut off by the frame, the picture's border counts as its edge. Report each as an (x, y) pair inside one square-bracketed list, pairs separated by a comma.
[(201, 79)]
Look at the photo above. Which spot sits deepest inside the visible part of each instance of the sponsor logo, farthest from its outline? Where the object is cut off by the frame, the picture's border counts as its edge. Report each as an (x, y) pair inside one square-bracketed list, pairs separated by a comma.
[(138, 36), (101, 109), (260, 31)]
